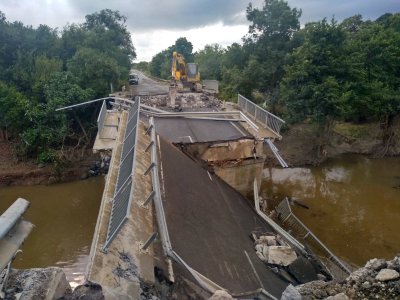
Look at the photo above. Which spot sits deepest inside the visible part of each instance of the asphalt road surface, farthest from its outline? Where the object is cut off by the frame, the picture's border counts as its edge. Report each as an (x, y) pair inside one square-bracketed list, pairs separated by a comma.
[(210, 224), (148, 86)]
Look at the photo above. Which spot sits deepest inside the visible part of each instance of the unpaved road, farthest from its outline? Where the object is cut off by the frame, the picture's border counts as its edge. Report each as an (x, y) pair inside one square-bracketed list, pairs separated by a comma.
[(148, 86)]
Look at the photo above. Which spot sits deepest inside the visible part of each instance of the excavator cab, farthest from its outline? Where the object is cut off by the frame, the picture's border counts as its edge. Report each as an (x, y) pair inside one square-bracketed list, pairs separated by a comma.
[(193, 72)]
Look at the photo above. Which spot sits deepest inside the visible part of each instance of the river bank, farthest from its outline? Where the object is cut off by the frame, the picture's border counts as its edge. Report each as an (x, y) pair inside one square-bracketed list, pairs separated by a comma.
[(299, 143), (16, 173), (298, 147)]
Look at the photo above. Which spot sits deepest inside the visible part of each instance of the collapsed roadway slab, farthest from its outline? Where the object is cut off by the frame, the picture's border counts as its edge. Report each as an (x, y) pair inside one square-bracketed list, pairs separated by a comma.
[(224, 147), (210, 225)]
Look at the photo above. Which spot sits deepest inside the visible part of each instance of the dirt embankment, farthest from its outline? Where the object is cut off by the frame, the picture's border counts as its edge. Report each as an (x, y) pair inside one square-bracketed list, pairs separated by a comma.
[(14, 172), (299, 144)]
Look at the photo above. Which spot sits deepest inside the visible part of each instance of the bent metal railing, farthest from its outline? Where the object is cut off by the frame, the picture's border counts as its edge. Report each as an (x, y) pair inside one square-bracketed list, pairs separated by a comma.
[(122, 199), (287, 217), (270, 121)]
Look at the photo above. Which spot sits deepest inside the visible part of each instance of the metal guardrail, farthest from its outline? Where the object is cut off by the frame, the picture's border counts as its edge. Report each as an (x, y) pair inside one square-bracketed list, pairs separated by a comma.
[(101, 118), (231, 116), (162, 223), (122, 199), (288, 238), (269, 120), (275, 151), (13, 232), (287, 217)]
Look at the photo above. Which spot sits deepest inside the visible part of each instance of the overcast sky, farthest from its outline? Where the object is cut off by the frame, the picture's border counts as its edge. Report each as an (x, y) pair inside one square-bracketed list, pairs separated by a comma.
[(156, 24)]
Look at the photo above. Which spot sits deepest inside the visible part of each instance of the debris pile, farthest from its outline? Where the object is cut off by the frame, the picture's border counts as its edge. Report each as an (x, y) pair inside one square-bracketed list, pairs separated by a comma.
[(48, 283), (100, 167), (379, 279), (272, 249), (184, 100)]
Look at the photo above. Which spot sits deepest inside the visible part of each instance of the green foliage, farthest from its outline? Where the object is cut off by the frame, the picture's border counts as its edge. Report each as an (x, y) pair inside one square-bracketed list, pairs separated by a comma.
[(42, 69), (142, 66), (95, 70), (13, 105), (160, 65), (314, 83), (375, 65), (270, 35), (209, 60)]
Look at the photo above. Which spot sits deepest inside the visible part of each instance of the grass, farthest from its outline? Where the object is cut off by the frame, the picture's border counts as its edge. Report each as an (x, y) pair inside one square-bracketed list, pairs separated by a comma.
[(358, 131)]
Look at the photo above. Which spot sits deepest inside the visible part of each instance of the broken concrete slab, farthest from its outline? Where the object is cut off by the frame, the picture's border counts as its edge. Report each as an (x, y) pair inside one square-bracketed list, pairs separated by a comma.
[(387, 274), (303, 270), (281, 255), (291, 293)]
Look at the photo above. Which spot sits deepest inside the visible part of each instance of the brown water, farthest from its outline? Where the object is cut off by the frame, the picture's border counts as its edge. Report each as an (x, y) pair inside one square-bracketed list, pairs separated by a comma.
[(354, 205), (64, 216)]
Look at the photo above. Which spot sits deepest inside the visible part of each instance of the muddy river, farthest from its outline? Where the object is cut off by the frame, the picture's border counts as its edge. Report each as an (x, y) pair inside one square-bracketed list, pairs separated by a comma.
[(354, 203), (64, 216)]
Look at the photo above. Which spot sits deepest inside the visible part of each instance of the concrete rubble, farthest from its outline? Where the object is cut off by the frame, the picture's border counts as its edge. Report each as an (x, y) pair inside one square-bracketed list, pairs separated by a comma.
[(48, 284), (290, 293), (378, 279), (387, 274), (273, 250), (184, 100), (87, 291)]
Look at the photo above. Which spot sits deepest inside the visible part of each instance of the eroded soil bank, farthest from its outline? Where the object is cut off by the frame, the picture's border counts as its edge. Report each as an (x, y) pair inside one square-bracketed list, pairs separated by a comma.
[(299, 144), (14, 172)]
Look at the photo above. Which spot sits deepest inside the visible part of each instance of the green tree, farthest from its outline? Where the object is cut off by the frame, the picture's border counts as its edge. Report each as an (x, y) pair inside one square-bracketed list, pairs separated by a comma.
[(270, 36), (33, 81), (142, 66), (95, 70), (44, 69), (160, 65), (107, 31), (209, 60), (375, 65), (13, 106), (315, 82), (184, 47)]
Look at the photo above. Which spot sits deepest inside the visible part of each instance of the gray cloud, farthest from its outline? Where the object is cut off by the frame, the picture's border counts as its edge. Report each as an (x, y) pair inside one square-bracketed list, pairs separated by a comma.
[(145, 15), (172, 14), (314, 10)]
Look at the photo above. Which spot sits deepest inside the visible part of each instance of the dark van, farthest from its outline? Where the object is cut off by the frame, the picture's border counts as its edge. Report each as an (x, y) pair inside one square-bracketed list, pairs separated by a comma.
[(133, 79)]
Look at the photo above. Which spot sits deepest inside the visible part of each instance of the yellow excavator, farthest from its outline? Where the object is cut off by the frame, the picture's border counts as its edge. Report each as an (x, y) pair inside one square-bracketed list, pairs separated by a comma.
[(185, 75)]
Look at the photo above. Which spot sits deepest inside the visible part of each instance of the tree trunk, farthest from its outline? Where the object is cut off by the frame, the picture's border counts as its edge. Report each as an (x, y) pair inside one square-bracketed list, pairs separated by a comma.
[(388, 140), (83, 129), (325, 130)]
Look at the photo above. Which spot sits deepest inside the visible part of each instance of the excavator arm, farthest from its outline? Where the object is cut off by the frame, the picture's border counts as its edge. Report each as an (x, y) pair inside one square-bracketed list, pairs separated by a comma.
[(178, 67)]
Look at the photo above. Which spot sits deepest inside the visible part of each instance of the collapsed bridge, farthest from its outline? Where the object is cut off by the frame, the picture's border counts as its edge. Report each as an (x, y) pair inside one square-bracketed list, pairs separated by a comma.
[(176, 200)]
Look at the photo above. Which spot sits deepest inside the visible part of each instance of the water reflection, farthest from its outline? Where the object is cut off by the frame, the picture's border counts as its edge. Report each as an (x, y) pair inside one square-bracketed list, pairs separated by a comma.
[(354, 207), (64, 216), (75, 269)]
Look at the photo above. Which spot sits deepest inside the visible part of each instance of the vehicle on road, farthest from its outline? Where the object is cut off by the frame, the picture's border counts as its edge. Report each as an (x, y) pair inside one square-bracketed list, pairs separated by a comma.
[(133, 79)]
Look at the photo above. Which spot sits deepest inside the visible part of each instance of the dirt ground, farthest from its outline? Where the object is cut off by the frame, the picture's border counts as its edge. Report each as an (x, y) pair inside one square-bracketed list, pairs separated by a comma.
[(14, 172)]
